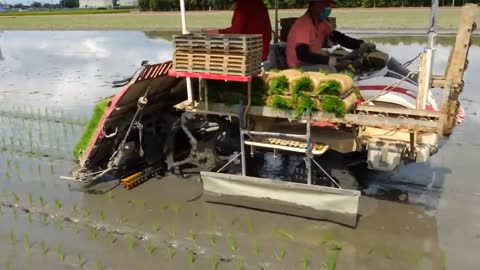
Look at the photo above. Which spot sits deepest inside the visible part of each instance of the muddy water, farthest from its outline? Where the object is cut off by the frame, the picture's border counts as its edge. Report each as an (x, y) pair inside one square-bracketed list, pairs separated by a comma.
[(423, 218)]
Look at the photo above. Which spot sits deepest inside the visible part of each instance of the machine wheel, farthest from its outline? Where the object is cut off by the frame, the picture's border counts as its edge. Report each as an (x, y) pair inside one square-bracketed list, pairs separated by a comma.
[(211, 146)]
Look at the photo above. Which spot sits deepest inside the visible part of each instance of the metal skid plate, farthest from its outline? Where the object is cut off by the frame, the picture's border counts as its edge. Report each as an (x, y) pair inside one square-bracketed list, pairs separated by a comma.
[(310, 201)]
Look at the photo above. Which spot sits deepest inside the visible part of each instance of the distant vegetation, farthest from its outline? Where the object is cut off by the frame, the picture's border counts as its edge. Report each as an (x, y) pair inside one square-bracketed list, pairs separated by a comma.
[(63, 12), (164, 5), (173, 5)]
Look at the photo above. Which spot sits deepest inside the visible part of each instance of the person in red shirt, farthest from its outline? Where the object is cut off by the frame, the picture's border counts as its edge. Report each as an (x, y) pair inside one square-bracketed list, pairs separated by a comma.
[(308, 35), (250, 17)]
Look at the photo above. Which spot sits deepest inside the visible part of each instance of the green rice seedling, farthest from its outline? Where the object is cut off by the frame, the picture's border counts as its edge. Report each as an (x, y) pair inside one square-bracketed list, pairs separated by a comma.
[(280, 255), (30, 199), (44, 220), (29, 217), (171, 251), (28, 243), (348, 73), (69, 187), (60, 253), (43, 247), (81, 261), (9, 265), (240, 264), (214, 262), (93, 233), (86, 212), (109, 195), (99, 264), (334, 245), (419, 257), (256, 248), (305, 103), (172, 232), (142, 204), (75, 228), (42, 201), (40, 133), (278, 85), (213, 239), (163, 207), (101, 215), (156, 227), (131, 202), (212, 216), (333, 104), (191, 256), (329, 87), (306, 261), (131, 242), (75, 208), (278, 102), (332, 261), (58, 205), (232, 243), (357, 93), (324, 71), (284, 233), (176, 209), (388, 253), (39, 170), (13, 240), (304, 84), (122, 220), (59, 225), (52, 168), (14, 211), (444, 260), (192, 235), (370, 250), (149, 248), (16, 198), (249, 225)]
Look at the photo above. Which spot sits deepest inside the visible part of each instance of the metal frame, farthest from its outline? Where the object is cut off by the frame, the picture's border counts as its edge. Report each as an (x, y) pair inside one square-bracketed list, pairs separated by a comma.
[(413, 121)]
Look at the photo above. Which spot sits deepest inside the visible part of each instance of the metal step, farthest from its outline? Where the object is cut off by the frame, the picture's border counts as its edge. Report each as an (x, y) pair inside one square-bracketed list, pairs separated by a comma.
[(287, 145)]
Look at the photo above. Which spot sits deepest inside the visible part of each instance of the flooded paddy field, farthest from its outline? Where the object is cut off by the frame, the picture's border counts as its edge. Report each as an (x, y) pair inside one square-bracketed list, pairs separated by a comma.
[(425, 217)]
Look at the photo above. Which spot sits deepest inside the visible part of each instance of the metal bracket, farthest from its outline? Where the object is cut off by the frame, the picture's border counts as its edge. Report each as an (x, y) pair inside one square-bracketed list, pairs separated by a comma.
[(113, 134)]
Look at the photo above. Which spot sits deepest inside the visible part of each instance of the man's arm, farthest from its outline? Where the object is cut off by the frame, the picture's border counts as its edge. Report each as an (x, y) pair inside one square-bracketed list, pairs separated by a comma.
[(345, 41), (305, 55)]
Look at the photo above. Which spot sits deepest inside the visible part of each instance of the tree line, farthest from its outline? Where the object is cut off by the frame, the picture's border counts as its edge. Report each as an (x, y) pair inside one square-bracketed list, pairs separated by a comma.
[(165, 5), (173, 5)]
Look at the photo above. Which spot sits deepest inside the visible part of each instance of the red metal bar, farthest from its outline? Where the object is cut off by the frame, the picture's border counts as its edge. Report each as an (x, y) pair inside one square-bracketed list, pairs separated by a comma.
[(220, 77)]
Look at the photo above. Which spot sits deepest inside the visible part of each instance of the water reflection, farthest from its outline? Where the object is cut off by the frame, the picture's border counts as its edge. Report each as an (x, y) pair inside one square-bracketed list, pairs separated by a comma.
[(1, 55), (72, 68)]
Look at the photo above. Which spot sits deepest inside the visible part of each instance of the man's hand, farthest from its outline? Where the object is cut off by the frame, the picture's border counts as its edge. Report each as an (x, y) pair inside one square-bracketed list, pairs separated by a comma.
[(367, 47)]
